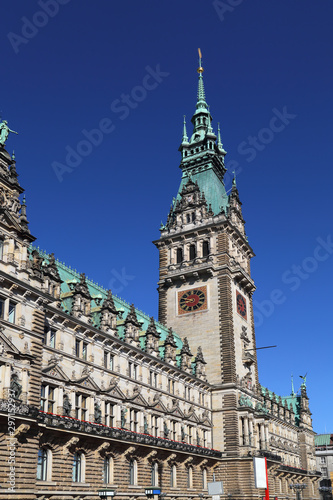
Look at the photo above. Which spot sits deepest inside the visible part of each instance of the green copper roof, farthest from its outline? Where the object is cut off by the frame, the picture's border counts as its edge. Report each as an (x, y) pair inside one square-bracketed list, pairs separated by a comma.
[(323, 439), (293, 401), (98, 294), (210, 184)]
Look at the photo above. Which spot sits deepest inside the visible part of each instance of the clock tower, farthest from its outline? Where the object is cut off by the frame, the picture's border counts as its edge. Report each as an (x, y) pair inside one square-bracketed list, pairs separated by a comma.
[(205, 285)]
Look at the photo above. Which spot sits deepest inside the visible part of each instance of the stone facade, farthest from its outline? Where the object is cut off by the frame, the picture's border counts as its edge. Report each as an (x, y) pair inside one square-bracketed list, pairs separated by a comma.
[(324, 459), (94, 394)]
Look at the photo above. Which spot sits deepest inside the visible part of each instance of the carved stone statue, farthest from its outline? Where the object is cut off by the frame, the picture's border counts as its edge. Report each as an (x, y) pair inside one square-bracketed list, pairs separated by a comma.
[(15, 386), (4, 132), (123, 417), (67, 407), (165, 430), (98, 413)]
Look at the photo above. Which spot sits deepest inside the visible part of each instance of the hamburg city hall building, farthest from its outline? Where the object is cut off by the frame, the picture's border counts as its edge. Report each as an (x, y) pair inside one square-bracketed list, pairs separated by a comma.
[(98, 399)]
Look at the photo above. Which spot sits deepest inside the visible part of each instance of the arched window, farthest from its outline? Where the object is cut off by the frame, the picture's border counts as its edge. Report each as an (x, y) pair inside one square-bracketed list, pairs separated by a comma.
[(154, 474), (173, 476), (179, 255), (78, 468), (190, 477), (133, 468), (108, 470), (204, 478), (192, 252), (205, 249), (44, 464)]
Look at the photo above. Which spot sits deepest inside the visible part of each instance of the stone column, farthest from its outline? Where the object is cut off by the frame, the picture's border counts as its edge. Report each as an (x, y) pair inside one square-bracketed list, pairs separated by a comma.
[(72, 399), (59, 393), (266, 437), (262, 435), (246, 430), (91, 408), (24, 258), (251, 438), (6, 384), (10, 250), (103, 411), (2, 377), (24, 395), (117, 416)]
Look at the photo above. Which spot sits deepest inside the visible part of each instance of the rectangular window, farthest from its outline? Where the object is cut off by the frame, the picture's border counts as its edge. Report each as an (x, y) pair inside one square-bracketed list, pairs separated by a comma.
[(132, 370), (52, 341), (190, 435), (174, 431), (77, 348), (43, 398), (109, 414), (153, 379), (154, 426), (171, 386), (204, 438), (51, 400), (84, 350), (47, 398), (2, 308), (11, 312), (108, 360), (134, 424), (81, 407), (323, 460), (1, 249)]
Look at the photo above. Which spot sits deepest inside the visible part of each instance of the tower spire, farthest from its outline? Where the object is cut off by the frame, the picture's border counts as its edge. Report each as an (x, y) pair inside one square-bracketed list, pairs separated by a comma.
[(185, 138), (201, 101)]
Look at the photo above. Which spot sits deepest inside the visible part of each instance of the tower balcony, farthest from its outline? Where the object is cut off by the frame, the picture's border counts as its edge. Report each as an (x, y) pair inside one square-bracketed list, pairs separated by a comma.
[(199, 267)]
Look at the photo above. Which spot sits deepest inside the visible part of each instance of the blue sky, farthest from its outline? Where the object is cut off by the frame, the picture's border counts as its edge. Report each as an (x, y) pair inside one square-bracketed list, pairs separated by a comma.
[(68, 68)]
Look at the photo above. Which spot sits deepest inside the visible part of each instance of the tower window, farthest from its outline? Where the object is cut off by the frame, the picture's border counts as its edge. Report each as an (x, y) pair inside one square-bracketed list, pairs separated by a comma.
[(179, 255), (192, 252), (205, 249)]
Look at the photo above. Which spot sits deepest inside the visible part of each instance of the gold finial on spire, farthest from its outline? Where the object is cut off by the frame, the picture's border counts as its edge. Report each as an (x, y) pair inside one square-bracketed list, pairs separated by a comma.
[(200, 69)]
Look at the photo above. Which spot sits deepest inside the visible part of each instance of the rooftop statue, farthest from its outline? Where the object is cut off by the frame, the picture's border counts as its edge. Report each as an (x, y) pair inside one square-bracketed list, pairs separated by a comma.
[(4, 132)]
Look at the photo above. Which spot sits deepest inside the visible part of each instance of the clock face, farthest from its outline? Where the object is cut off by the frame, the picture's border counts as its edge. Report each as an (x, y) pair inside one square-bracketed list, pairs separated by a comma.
[(192, 300), (241, 305)]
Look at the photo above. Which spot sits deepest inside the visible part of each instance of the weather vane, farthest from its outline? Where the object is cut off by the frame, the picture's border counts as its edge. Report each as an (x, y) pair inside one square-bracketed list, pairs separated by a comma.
[(200, 69)]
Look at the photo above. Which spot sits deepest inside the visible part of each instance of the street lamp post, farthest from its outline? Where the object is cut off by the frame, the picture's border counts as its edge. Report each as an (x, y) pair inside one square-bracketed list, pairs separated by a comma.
[(298, 487), (325, 490)]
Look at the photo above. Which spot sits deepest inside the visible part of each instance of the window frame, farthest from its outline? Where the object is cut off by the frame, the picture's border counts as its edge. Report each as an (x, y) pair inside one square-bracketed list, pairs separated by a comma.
[(43, 460), (78, 471)]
